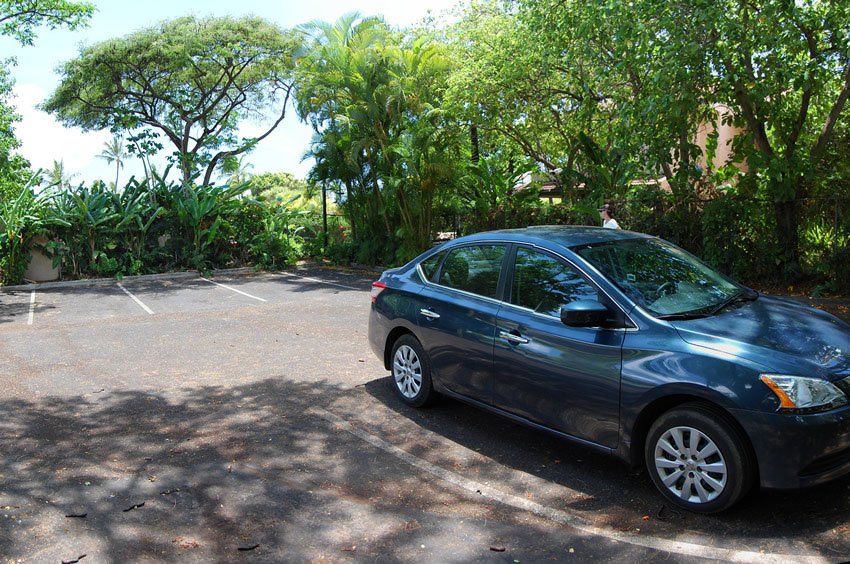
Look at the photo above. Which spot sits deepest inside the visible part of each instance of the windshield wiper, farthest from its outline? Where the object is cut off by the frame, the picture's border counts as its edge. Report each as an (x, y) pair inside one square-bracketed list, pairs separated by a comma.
[(740, 296), (681, 316)]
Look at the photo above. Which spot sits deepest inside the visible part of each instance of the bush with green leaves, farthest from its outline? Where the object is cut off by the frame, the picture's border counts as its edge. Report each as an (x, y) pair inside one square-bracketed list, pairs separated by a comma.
[(161, 226), (739, 237), (23, 215)]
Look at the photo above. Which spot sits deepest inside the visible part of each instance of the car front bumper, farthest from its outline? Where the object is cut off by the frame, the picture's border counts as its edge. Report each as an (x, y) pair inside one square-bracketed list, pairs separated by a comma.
[(798, 451)]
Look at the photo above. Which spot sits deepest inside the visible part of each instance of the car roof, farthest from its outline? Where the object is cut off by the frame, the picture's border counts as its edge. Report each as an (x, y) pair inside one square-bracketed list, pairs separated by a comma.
[(563, 235)]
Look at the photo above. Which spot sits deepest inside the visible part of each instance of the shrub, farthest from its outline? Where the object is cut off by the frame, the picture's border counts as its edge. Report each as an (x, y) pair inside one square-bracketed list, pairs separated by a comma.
[(739, 237), (22, 216)]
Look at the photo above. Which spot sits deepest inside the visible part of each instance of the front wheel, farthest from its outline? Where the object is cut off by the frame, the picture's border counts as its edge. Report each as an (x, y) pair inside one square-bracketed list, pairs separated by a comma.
[(698, 459), (412, 372)]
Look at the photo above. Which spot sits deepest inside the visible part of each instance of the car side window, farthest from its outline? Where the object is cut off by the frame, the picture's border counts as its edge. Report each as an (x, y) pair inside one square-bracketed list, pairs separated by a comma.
[(429, 266), (544, 284), (474, 269)]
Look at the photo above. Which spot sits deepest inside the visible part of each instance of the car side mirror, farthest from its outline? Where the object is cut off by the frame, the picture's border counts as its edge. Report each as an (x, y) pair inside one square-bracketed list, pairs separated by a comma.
[(584, 313)]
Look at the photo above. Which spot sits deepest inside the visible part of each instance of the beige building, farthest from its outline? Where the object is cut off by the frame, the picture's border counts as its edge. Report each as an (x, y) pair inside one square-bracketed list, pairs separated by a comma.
[(726, 132)]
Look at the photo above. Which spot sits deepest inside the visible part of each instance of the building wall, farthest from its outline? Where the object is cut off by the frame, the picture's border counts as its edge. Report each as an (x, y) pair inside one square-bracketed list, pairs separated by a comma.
[(726, 132)]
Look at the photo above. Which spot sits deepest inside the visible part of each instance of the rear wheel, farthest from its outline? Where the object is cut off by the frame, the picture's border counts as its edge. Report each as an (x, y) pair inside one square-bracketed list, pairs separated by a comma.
[(698, 459), (411, 372)]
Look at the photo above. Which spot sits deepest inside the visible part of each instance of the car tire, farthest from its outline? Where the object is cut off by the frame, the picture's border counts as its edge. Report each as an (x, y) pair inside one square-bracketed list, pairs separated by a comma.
[(411, 372), (709, 476)]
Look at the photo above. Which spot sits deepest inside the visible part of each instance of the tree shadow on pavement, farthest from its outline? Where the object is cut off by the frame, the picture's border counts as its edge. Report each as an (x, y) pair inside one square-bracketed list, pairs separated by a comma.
[(206, 474), (607, 492)]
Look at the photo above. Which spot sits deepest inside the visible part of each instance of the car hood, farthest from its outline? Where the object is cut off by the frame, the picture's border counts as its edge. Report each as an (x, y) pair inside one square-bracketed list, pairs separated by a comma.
[(782, 335)]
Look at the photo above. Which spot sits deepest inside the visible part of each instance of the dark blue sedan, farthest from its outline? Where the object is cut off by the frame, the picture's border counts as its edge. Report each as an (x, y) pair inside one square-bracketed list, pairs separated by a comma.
[(628, 344)]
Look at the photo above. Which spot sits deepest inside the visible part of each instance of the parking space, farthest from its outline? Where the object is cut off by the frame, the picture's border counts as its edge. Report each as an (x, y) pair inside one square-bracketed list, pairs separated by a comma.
[(15, 306), (184, 295), (111, 300), (81, 304), (247, 410)]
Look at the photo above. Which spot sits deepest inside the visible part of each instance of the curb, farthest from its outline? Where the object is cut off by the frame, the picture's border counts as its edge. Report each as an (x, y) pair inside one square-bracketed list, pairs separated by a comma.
[(105, 281)]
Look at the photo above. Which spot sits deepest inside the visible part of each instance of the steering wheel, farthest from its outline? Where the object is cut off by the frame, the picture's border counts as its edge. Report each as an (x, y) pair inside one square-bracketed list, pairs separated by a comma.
[(666, 289)]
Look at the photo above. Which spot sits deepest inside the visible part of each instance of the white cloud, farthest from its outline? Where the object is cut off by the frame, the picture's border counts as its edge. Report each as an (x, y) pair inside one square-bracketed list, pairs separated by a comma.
[(44, 140)]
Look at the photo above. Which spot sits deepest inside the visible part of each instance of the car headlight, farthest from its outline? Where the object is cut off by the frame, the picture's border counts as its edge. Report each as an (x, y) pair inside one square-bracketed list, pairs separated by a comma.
[(799, 394)]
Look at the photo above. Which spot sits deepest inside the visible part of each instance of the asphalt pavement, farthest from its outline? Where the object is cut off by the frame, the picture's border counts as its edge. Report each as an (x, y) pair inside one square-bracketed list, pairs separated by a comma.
[(244, 417)]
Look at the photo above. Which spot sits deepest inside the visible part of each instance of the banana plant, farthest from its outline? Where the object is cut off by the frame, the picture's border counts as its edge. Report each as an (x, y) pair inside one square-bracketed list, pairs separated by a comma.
[(21, 219), (201, 211), (92, 212), (138, 214)]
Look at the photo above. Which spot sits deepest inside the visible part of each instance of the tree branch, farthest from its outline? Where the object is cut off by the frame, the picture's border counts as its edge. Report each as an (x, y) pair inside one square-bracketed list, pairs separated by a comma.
[(834, 113), (232, 153)]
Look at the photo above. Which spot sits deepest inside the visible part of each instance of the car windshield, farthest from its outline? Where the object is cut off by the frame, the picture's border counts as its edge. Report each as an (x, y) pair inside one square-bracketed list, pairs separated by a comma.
[(661, 277)]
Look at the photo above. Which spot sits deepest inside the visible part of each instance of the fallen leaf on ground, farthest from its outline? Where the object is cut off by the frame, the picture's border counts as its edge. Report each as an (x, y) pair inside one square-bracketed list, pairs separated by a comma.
[(247, 548)]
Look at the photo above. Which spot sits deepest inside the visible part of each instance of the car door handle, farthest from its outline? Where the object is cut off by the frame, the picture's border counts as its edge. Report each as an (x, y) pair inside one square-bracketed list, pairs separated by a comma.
[(429, 314), (513, 338)]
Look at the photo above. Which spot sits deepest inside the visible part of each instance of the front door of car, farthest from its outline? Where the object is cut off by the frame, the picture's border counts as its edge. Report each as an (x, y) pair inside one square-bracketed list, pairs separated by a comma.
[(566, 378), (457, 319)]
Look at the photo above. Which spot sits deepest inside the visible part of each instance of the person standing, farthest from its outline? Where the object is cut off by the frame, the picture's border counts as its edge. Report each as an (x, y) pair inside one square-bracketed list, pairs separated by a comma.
[(608, 221)]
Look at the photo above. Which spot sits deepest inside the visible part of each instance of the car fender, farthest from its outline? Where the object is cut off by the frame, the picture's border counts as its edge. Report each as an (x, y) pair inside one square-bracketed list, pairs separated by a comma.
[(655, 381)]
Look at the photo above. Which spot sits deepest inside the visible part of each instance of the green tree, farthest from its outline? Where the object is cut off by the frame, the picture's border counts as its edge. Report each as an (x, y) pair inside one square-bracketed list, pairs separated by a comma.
[(373, 98), (641, 77), (235, 169), (785, 68), (191, 79), (20, 18), (283, 188), (271, 182), (8, 117), (58, 176)]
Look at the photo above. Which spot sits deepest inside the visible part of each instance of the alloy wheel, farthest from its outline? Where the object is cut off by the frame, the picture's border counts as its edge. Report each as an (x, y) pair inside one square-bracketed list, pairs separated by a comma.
[(690, 465), (407, 371)]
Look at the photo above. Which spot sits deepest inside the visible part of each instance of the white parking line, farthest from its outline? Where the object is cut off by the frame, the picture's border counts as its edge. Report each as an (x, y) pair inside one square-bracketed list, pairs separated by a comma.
[(32, 308), (234, 290), (317, 280), (135, 299), (560, 516)]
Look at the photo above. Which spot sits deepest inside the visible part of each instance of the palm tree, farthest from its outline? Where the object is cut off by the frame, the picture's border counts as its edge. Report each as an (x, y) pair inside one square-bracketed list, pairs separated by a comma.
[(58, 176), (235, 169), (114, 152)]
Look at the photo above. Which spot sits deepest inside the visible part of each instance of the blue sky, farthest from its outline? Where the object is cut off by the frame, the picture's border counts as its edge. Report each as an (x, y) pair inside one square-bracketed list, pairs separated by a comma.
[(44, 140)]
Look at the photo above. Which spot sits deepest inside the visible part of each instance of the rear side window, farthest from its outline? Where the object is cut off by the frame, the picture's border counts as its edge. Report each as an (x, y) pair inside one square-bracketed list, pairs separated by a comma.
[(543, 283), (429, 266), (474, 269)]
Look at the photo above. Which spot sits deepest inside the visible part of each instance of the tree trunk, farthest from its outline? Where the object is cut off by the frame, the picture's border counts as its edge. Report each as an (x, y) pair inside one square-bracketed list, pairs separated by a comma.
[(787, 236), (473, 137)]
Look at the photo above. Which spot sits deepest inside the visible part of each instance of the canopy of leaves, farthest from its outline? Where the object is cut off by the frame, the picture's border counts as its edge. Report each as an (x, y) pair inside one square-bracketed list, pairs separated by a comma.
[(20, 18), (283, 188), (191, 79), (639, 78), (373, 98)]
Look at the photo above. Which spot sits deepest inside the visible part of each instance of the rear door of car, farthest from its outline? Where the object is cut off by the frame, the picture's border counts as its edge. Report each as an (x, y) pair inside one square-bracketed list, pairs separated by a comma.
[(457, 318), (566, 378)]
